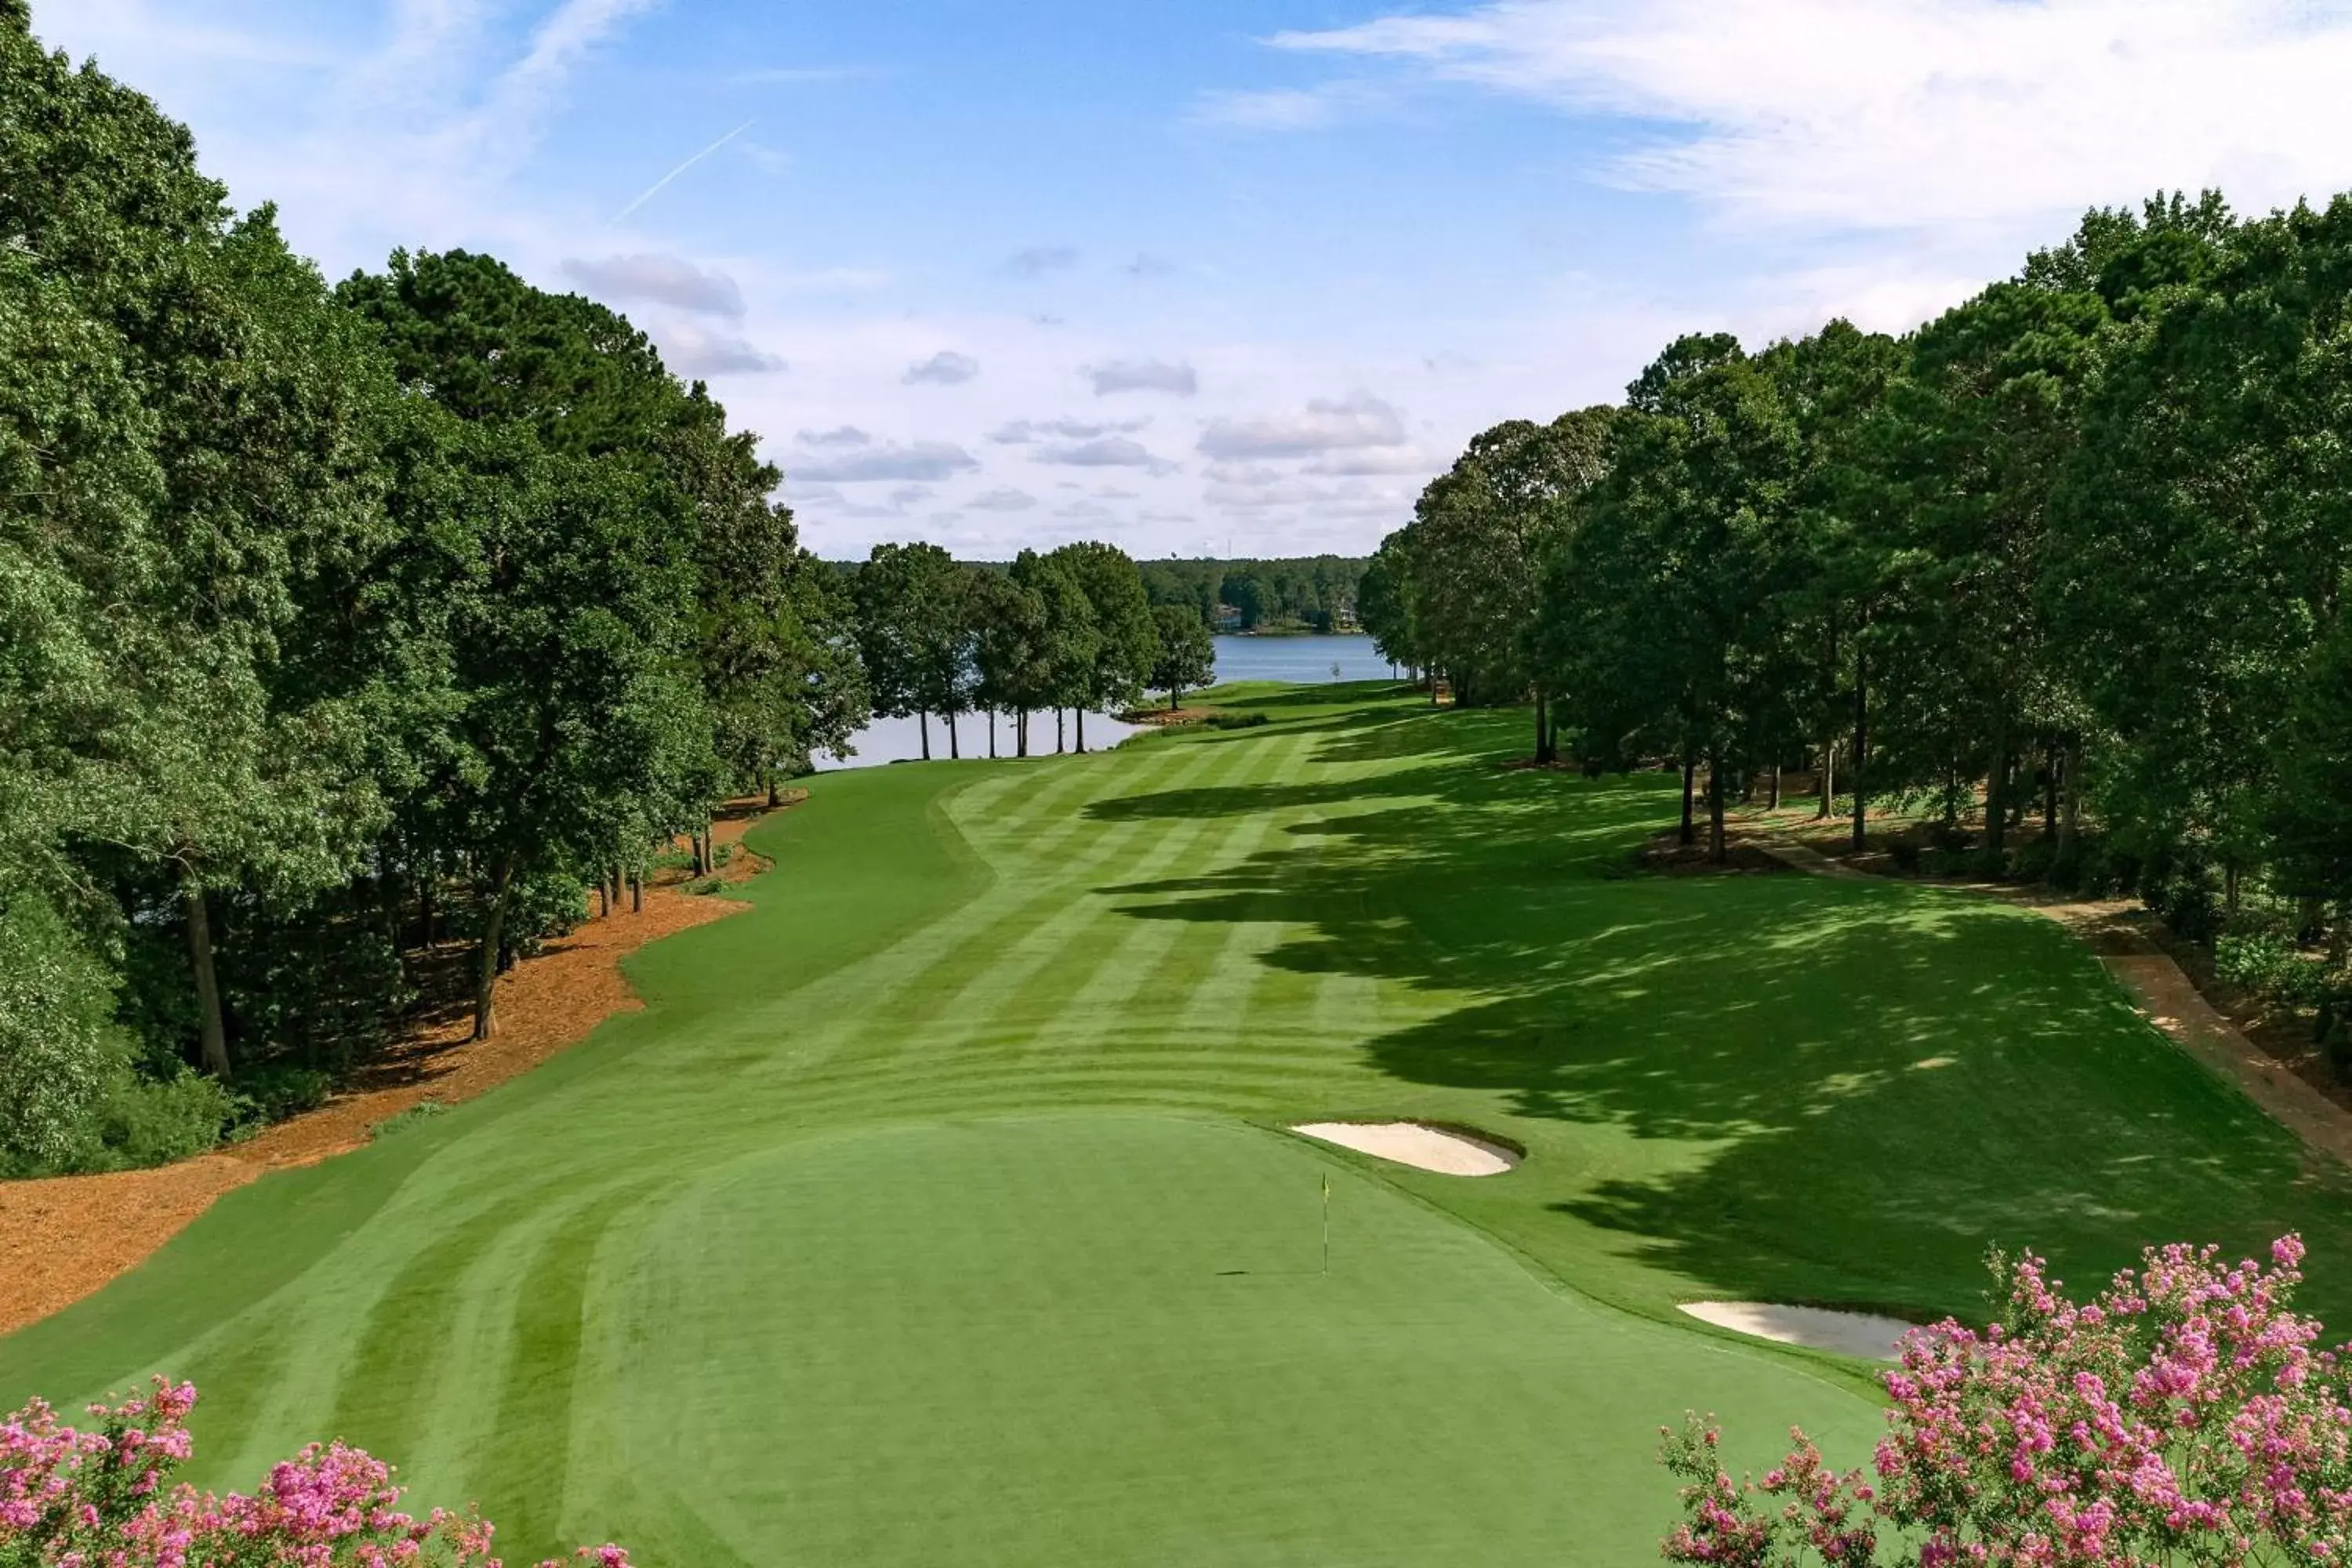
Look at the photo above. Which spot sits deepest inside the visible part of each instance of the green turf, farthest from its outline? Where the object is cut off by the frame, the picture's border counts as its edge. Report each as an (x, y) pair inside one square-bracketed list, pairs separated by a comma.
[(934, 1209)]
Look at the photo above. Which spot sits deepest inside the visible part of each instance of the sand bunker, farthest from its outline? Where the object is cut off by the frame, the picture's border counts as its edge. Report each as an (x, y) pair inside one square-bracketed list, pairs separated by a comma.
[(1863, 1334), (1411, 1143)]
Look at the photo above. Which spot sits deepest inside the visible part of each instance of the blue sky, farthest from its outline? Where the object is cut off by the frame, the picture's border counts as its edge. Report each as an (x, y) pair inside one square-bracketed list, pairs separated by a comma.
[(1214, 275)]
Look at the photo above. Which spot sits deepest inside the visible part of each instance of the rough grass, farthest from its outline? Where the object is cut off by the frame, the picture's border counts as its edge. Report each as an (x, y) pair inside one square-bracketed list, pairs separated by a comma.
[(932, 1212)]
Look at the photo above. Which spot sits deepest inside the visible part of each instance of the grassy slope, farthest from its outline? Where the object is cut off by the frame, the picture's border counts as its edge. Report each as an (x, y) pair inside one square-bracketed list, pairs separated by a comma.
[(917, 1215)]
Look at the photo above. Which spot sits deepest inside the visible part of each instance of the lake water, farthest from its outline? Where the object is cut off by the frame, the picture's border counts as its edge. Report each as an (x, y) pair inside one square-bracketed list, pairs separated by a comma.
[(1308, 660), (1305, 660), (901, 740)]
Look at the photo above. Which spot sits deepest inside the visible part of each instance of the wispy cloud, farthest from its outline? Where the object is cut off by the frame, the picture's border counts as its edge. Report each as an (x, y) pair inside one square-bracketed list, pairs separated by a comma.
[(666, 279), (1039, 259), (1894, 115), (1326, 424), (925, 462), (945, 368), (1104, 452), (1142, 375)]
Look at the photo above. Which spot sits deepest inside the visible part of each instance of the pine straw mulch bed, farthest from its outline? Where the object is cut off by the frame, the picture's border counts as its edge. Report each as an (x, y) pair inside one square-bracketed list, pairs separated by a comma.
[(65, 1236)]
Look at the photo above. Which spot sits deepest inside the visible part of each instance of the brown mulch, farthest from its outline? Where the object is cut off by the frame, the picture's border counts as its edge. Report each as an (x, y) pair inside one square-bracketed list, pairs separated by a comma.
[(1160, 717), (65, 1236)]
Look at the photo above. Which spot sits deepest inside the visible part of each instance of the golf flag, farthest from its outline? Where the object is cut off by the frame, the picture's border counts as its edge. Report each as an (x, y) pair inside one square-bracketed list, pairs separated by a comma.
[(1327, 1222)]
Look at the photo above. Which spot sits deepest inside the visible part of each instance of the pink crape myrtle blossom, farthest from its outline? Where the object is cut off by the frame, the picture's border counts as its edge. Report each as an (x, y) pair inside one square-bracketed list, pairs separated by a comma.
[(2183, 1416), (103, 1497)]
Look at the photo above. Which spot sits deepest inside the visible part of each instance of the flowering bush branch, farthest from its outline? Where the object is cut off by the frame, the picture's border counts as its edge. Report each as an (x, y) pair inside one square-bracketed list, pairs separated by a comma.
[(101, 1497), (2183, 1416)]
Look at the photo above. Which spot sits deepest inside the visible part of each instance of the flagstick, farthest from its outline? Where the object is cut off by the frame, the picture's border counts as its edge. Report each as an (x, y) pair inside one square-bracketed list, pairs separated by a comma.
[(1326, 1223)]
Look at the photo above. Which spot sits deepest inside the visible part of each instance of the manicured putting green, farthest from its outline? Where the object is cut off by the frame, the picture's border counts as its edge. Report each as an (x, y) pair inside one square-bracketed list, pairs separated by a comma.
[(1108, 1338), (935, 1210)]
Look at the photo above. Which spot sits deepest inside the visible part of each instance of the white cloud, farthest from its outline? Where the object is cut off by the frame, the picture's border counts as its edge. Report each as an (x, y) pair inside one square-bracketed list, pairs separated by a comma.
[(1020, 431), (1326, 424), (1002, 500), (1919, 114), (945, 368), (1039, 259), (666, 279), (1104, 452), (1142, 375), (926, 461), (840, 436), (1375, 460), (691, 351)]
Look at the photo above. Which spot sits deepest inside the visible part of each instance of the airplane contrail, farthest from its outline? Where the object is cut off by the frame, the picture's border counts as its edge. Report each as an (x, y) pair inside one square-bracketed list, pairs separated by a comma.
[(655, 188)]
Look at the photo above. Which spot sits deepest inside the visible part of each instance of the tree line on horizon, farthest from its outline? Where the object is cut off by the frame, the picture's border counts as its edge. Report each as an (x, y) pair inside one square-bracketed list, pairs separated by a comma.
[(2078, 548)]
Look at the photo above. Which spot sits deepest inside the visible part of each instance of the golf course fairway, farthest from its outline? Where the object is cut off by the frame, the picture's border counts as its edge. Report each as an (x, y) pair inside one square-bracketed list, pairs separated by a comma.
[(938, 1208)]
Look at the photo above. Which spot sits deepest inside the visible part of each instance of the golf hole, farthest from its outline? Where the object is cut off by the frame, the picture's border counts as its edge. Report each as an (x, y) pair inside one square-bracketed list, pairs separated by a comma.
[(1416, 1144), (1863, 1334)]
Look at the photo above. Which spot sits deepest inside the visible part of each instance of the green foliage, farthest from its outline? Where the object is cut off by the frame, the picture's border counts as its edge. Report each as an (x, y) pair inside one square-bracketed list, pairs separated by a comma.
[(321, 610), (280, 1089), (416, 1115), (152, 1122), (2273, 966), (58, 1052), (1188, 654)]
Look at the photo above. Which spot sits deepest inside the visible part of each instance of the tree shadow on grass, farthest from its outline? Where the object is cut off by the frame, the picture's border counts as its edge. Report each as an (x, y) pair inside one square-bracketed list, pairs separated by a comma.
[(1873, 1083)]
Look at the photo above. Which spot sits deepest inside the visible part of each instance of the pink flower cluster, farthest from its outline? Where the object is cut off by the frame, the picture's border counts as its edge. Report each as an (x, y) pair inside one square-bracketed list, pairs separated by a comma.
[(101, 1497), (2183, 1416)]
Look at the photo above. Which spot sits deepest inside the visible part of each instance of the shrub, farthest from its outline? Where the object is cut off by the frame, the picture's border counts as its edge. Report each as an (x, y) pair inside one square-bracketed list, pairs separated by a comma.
[(1235, 720), (1905, 853), (59, 1048), (150, 1121), (78, 1497), (2180, 1416), (2270, 966), (276, 1091), (424, 1110)]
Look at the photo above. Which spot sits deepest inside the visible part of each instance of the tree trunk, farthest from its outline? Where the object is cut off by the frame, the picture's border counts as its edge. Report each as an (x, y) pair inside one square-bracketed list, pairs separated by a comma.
[(2230, 886), (1776, 787), (2050, 792), (1688, 835), (212, 1033), (1544, 755), (1021, 734), (1826, 784), (1996, 791), (1861, 748), (1057, 731), (955, 749), (604, 908), (1079, 719), (636, 892), (486, 967), (774, 799), (1715, 847), (2072, 820), (425, 904), (923, 719), (991, 734)]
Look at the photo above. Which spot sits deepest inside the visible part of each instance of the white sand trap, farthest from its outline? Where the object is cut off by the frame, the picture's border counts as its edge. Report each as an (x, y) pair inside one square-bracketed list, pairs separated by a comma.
[(1411, 1143), (1863, 1334)]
